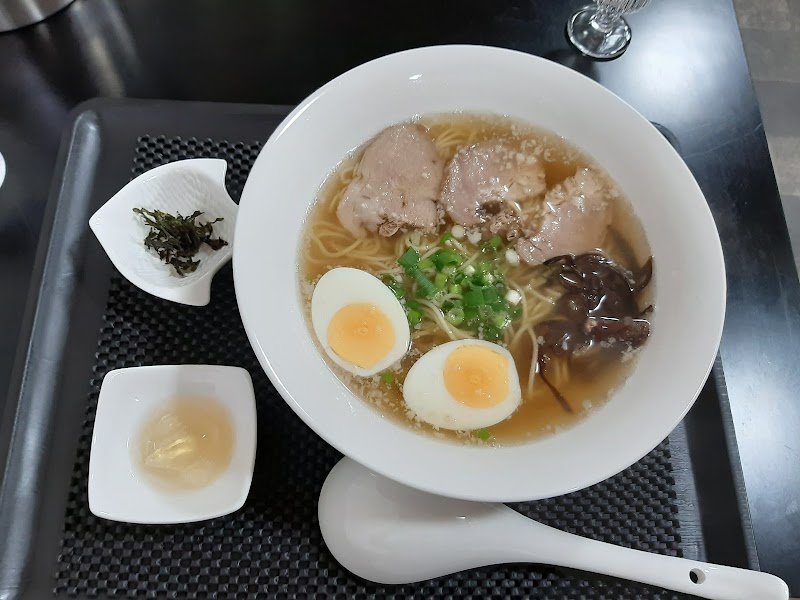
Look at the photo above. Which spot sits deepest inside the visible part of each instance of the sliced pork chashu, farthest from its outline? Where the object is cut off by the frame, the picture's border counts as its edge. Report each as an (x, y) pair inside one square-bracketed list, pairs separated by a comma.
[(485, 184), (576, 217), (396, 186)]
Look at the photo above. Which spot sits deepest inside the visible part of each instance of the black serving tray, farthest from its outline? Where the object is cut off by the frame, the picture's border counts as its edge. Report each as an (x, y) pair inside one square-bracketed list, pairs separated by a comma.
[(685, 498)]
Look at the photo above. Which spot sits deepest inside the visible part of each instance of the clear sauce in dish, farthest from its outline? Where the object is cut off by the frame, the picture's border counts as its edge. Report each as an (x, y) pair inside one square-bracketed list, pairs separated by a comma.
[(185, 445)]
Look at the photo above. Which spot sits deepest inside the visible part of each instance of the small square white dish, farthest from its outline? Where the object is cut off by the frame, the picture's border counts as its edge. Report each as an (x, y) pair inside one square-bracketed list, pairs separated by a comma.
[(118, 491), (183, 186)]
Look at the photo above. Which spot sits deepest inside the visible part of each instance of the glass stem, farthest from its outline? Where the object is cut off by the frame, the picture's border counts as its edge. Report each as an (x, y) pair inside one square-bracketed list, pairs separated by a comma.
[(604, 17)]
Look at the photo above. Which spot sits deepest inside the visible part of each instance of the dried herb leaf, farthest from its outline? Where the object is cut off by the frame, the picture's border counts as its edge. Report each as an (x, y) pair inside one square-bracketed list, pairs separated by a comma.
[(177, 239)]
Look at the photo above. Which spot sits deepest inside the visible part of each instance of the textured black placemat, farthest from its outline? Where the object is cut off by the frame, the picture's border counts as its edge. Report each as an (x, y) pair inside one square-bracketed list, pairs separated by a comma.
[(272, 547)]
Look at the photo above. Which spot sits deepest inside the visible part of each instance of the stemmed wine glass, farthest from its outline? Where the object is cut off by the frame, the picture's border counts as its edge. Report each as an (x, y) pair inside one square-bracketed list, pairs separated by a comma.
[(599, 30)]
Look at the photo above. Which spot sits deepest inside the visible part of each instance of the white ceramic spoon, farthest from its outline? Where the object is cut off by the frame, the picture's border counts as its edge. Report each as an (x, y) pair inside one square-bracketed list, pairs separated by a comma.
[(389, 533)]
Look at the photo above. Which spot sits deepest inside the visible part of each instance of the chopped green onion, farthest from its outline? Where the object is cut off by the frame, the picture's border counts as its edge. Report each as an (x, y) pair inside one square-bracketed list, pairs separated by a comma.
[(387, 378), (513, 297), (473, 298), (493, 246), (443, 258), (490, 295), (455, 316), (397, 289), (409, 259), (500, 319), (413, 312), (484, 434), (426, 288)]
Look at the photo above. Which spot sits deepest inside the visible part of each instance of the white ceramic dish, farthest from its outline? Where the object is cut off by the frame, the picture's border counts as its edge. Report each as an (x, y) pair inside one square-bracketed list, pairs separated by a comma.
[(128, 398), (689, 268), (183, 187)]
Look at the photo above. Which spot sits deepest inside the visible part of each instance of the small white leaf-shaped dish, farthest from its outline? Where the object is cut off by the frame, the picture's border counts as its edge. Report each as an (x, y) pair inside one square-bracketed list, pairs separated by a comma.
[(183, 186)]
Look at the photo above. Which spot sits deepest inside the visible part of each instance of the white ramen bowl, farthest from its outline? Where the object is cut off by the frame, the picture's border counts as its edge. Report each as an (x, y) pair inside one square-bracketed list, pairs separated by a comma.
[(689, 269)]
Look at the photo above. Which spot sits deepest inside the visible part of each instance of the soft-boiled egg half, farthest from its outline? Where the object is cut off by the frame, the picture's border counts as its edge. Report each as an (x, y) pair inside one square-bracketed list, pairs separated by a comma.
[(361, 325), (466, 384)]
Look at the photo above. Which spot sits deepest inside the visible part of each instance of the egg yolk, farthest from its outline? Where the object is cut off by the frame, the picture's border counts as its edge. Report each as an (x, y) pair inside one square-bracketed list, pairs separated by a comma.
[(476, 376), (361, 334)]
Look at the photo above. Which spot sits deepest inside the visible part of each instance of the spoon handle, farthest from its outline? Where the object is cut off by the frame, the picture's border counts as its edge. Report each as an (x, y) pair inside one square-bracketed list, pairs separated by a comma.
[(551, 546)]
